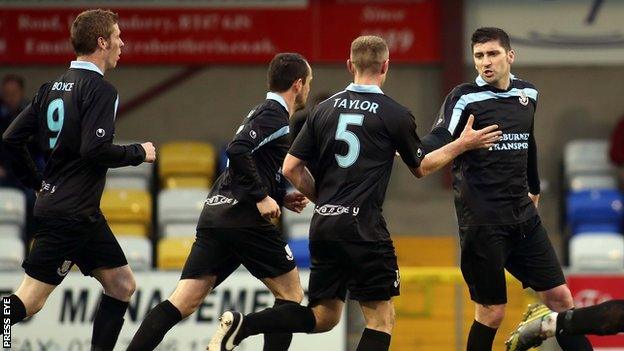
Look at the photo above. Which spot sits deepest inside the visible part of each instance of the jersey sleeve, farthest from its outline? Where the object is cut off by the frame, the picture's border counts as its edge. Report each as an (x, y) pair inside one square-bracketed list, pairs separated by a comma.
[(449, 123), (304, 147), (258, 131), (452, 115), (406, 141), (532, 171), (15, 140), (98, 130)]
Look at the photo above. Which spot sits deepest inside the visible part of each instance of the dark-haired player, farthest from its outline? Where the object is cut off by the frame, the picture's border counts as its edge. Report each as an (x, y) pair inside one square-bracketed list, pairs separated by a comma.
[(497, 192), (234, 227)]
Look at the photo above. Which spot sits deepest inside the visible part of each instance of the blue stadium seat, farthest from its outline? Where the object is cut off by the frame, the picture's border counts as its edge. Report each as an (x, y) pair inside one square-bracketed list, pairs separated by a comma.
[(595, 211), (301, 250), (223, 159)]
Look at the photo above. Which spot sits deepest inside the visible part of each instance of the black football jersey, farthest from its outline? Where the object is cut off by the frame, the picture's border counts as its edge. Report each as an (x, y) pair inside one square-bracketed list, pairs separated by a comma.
[(353, 137), (490, 185), (72, 118), (254, 171)]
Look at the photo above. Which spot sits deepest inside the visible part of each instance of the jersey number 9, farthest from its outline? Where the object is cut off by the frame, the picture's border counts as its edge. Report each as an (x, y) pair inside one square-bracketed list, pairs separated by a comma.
[(55, 125)]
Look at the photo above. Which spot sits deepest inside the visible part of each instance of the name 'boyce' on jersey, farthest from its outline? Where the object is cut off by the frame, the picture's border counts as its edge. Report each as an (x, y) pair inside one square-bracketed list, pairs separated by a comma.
[(73, 120)]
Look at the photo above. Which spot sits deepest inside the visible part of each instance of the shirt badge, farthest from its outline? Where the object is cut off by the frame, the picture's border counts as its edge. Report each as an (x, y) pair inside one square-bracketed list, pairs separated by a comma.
[(524, 99)]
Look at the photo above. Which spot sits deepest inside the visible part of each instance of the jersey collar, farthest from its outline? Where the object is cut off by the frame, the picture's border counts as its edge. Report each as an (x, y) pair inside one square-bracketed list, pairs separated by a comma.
[(273, 96), (481, 82), (364, 88), (86, 65)]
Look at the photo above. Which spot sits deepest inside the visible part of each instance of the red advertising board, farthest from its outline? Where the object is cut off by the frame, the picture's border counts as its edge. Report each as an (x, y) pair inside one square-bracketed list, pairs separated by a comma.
[(412, 31), (320, 30), (589, 290)]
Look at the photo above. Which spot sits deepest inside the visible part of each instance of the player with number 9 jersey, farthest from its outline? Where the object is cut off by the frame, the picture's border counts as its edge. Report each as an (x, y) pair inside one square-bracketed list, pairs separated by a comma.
[(72, 119)]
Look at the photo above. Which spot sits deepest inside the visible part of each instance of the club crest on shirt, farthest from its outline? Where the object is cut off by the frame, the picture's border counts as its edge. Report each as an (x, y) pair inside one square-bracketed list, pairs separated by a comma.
[(524, 99), (64, 268)]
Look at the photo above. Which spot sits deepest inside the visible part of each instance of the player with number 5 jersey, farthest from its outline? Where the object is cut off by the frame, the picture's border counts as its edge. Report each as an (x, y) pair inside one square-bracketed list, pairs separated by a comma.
[(352, 137), (72, 118)]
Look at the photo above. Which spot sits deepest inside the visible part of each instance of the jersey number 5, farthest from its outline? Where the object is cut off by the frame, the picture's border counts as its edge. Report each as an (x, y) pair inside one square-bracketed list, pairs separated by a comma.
[(55, 125), (350, 138)]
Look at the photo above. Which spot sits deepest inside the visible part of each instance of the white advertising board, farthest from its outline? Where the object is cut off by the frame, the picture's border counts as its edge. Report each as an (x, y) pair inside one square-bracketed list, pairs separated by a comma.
[(65, 322), (554, 32)]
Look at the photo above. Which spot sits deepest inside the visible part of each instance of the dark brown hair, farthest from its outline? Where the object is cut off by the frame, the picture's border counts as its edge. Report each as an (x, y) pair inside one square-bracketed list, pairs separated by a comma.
[(285, 69), (88, 27), (485, 34)]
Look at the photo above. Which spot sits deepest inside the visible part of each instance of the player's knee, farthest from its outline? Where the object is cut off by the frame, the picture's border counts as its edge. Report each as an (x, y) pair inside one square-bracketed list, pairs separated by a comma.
[(123, 287), (325, 322), (34, 306), (491, 316), (187, 308), (295, 295), (187, 304), (559, 300), (383, 322)]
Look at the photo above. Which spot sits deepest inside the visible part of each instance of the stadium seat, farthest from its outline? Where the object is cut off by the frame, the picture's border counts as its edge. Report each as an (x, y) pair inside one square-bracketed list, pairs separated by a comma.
[(12, 207), (300, 249), (187, 164), (594, 211), (10, 229), (138, 252), (593, 182), (172, 252), (127, 183), (298, 230), (426, 250), (128, 212), (134, 177), (587, 156), (597, 251), (179, 229), (179, 210), (12, 253), (223, 159), (297, 225)]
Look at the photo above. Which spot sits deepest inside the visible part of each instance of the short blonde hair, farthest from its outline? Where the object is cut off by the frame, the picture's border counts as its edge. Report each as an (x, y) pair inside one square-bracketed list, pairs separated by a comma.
[(368, 53)]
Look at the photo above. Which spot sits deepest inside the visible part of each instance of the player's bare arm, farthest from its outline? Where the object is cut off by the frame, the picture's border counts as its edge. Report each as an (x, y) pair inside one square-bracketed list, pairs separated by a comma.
[(150, 152), (268, 208), (295, 201), (469, 139), (295, 171)]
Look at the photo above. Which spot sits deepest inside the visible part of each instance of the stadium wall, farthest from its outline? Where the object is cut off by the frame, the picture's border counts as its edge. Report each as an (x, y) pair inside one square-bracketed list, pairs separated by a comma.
[(573, 103)]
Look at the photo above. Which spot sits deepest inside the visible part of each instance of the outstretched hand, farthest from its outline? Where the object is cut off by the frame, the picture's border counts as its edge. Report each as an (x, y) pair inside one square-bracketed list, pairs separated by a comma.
[(479, 138), (295, 201)]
